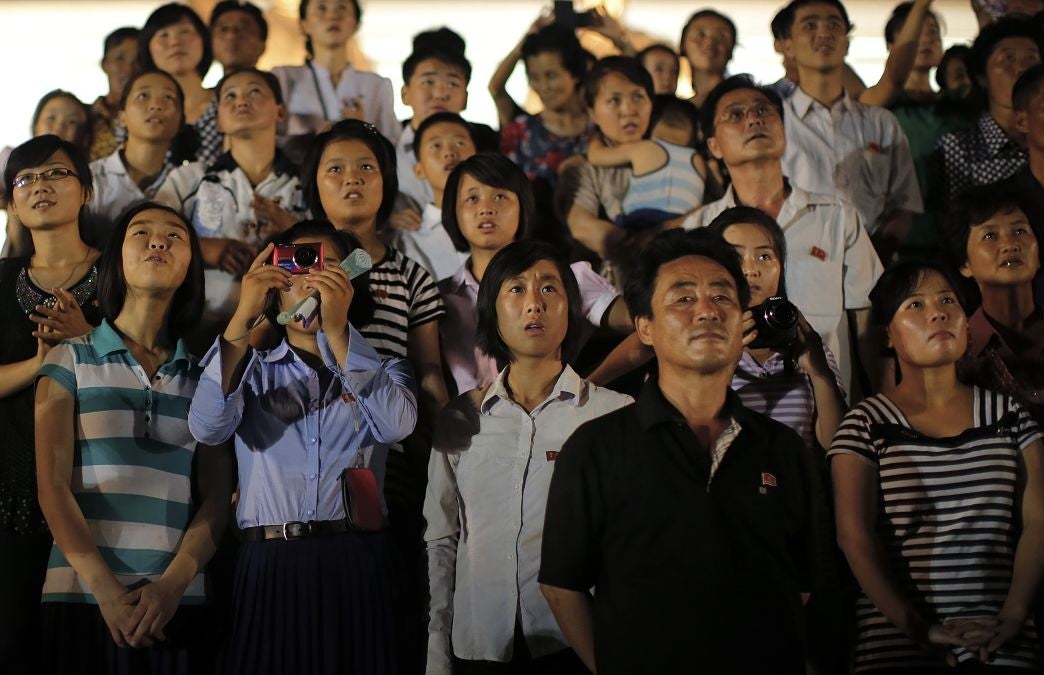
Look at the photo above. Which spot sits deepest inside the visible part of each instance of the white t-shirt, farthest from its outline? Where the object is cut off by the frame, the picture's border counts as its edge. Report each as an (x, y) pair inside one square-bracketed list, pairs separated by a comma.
[(430, 245)]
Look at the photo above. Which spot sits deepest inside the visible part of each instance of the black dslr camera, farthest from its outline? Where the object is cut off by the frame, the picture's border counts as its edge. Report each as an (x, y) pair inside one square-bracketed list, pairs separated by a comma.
[(776, 321)]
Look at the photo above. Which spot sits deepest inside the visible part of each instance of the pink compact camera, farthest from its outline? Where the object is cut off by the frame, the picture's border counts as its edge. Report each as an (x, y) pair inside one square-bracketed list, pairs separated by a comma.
[(299, 258)]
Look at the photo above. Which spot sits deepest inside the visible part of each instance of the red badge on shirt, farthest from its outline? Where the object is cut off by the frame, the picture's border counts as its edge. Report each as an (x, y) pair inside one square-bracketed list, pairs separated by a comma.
[(874, 148), (551, 455), (767, 479), (818, 253)]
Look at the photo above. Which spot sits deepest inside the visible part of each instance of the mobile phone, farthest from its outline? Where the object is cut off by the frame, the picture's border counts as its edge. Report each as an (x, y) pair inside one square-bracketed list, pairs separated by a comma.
[(566, 15)]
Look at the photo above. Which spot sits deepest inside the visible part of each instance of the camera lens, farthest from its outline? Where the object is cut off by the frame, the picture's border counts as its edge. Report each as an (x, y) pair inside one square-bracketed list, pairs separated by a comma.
[(780, 314), (306, 257)]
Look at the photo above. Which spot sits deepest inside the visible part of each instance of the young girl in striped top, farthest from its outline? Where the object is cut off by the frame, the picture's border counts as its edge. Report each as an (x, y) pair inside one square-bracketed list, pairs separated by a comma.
[(939, 490)]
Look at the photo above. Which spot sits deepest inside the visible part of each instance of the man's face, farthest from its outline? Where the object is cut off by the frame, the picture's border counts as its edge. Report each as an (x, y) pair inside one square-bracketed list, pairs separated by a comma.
[(747, 127), (818, 38), (236, 40), (696, 322), (1002, 251), (443, 147), (434, 87), (1031, 122)]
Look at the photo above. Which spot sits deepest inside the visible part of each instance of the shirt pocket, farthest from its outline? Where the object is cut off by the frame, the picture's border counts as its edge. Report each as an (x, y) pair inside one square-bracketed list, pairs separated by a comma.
[(876, 168)]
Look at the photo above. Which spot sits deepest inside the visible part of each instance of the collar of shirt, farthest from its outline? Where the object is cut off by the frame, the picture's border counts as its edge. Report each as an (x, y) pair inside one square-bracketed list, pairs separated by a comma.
[(802, 102), (983, 333), (654, 409), (994, 138), (281, 166), (463, 278), (747, 364), (431, 217), (107, 341), (569, 386), (406, 137), (796, 201)]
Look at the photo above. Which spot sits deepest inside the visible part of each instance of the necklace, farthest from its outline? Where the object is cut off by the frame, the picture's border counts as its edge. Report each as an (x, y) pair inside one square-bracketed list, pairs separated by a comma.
[(29, 295), (36, 283)]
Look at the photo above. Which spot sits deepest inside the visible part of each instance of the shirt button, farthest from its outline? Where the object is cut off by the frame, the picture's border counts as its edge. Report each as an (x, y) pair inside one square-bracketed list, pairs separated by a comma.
[(148, 388), (309, 511), (147, 418), (314, 439), (312, 476)]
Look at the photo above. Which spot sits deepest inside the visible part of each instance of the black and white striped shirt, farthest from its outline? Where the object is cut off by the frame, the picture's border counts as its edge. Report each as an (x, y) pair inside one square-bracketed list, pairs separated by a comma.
[(406, 297), (946, 517)]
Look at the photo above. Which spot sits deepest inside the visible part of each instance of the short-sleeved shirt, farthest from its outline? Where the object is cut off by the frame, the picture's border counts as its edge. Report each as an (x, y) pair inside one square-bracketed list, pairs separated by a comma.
[(596, 189), (312, 99), (538, 151), (132, 460), (947, 518), (831, 264), (856, 151), (470, 366), (687, 568), (406, 298), (114, 190), (977, 155), (430, 245)]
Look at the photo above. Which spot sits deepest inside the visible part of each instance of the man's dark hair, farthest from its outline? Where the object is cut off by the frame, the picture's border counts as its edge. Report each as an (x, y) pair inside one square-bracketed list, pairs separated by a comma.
[(168, 15), (187, 304), (900, 280), (960, 52), (439, 118), (671, 245), (351, 130), (86, 133), (675, 112), (988, 39), (496, 171), (442, 45), (780, 24), (302, 9), (630, 68), (363, 304), (748, 215), (898, 19), (559, 40), (974, 207), (709, 109), (248, 8), (509, 262), (790, 13), (704, 13), (1027, 87), (37, 151), (269, 79), (659, 47), (118, 37)]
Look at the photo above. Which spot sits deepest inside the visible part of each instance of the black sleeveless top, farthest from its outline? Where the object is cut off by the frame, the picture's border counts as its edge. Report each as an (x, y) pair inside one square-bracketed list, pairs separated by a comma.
[(19, 509)]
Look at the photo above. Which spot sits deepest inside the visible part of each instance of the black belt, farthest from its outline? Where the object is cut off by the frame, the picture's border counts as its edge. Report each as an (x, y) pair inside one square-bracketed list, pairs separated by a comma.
[(296, 529)]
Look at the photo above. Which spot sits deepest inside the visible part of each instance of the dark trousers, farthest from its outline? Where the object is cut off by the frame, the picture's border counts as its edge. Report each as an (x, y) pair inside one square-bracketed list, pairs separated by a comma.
[(23, 565), (565, 662)]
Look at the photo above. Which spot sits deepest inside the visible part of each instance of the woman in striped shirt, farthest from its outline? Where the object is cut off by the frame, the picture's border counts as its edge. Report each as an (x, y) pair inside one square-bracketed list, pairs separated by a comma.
[(939, 490)]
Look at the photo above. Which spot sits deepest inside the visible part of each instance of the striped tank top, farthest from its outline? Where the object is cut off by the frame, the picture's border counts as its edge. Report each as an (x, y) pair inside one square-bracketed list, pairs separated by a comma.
[(675, 188)]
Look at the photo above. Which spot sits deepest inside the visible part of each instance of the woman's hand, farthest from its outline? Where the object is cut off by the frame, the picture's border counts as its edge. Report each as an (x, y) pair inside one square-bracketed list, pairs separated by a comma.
[(154, 606), (228, 255), (749, 332), (335, 297), (257, 282), (1005, 628), (808, 349), (63, 321), (407, 220), (271, 217), (117, 613)]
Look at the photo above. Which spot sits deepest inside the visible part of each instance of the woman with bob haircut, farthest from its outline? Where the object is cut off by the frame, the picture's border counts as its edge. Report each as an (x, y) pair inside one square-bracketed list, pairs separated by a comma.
[(320, 403), (41, 296), (135, 506), (176, 41), (491, 464), (939, 498)]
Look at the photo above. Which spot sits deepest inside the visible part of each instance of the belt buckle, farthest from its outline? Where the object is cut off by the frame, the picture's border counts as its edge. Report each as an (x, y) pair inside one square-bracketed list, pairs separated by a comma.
[(295, 529)]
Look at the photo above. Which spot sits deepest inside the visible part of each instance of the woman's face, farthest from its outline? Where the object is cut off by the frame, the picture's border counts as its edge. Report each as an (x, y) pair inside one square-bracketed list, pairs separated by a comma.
[(621, 109), (153, 109), (663, 68), (761, 264), (156, 252), (708, 45), (49, 202), (929, 329), (555, 85), (299, 292), (119, 63), (929, 47), (62, 117), (351, 187), (177, 49), (1010, 58), (488, 217), (1002, 251), (956, 76), (533, 312), (329, 22)]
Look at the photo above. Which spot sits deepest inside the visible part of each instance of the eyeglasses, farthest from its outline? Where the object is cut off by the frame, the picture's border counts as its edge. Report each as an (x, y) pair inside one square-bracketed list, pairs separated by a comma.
[(57, 173), (739, 114)]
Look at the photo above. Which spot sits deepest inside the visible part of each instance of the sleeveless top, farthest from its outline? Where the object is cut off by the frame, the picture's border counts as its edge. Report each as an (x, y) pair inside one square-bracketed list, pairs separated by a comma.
[(675, 188)]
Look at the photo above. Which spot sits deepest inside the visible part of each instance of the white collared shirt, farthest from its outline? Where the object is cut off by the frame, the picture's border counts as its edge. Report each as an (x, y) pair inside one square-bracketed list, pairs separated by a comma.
[(312, 99), (858, 152), (410, 185), (488, 477), (114, 190), (430, 245), (831, 264)]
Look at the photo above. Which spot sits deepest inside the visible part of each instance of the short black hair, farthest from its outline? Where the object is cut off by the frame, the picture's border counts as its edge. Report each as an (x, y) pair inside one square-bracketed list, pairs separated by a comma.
[(897, 20), (708, 111), (117, 37), (302, 9), (900, 280), (675, 112), (248, 8), (442, 45), (509, 262), (497, 171), (36, 151), (974, 207), (184, 145), (168, 15), (153, 71), (271, 80), (627, 67), (671, 245), (780, 23), (704, 13), (790, 13), (86, 135), (187, 304), (559, 40), (363, 306), (961, 52), (351, 130), (990, 36), (748, 215), (1027, 87), (658, 47), (439, 118)]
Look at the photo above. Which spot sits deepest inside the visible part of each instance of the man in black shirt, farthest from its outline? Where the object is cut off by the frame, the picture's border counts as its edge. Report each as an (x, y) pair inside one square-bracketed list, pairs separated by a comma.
[(697, 522)]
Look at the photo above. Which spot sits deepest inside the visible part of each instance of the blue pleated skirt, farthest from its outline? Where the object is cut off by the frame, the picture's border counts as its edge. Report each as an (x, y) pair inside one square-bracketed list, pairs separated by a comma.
[(319, 605)]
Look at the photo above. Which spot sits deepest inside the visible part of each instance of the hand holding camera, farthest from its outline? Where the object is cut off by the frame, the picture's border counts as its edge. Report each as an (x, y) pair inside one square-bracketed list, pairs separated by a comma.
[(257, 282), (335, 297)]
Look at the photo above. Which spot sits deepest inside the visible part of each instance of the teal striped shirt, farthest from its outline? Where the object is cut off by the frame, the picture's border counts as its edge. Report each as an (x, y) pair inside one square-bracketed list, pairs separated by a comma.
[(132, 459)]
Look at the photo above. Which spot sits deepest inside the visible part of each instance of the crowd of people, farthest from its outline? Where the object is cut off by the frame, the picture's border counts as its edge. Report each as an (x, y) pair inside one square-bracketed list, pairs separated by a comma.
[(751, 382)]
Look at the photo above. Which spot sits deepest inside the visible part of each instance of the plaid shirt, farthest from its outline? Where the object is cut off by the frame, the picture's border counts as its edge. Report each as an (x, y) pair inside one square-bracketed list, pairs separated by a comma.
[(721, 446), (211, 141)]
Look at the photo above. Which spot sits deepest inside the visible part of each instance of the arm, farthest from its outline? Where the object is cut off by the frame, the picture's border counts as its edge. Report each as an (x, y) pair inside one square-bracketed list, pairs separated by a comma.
[(853, 84), (868, 347), (573, 611), (827, 396), (618, 318), (442, 515), (600, 154), (15, 377), (425, 355), (587, 228), (900, 60), (506, 105), (627, 356), (892, 234)]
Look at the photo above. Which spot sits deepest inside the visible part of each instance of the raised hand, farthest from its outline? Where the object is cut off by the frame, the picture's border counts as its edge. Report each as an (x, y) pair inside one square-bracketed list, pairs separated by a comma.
[(257, 282), (335, 297), (62, 321)]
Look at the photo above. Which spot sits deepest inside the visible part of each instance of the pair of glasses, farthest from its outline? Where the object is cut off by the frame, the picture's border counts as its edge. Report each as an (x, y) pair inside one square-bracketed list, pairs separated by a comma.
[(739, 114), (57, 173)]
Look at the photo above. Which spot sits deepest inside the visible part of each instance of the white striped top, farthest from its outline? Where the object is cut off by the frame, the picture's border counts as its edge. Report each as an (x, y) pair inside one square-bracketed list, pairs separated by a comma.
[(406, 297), (946, 517), (132, 460)]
